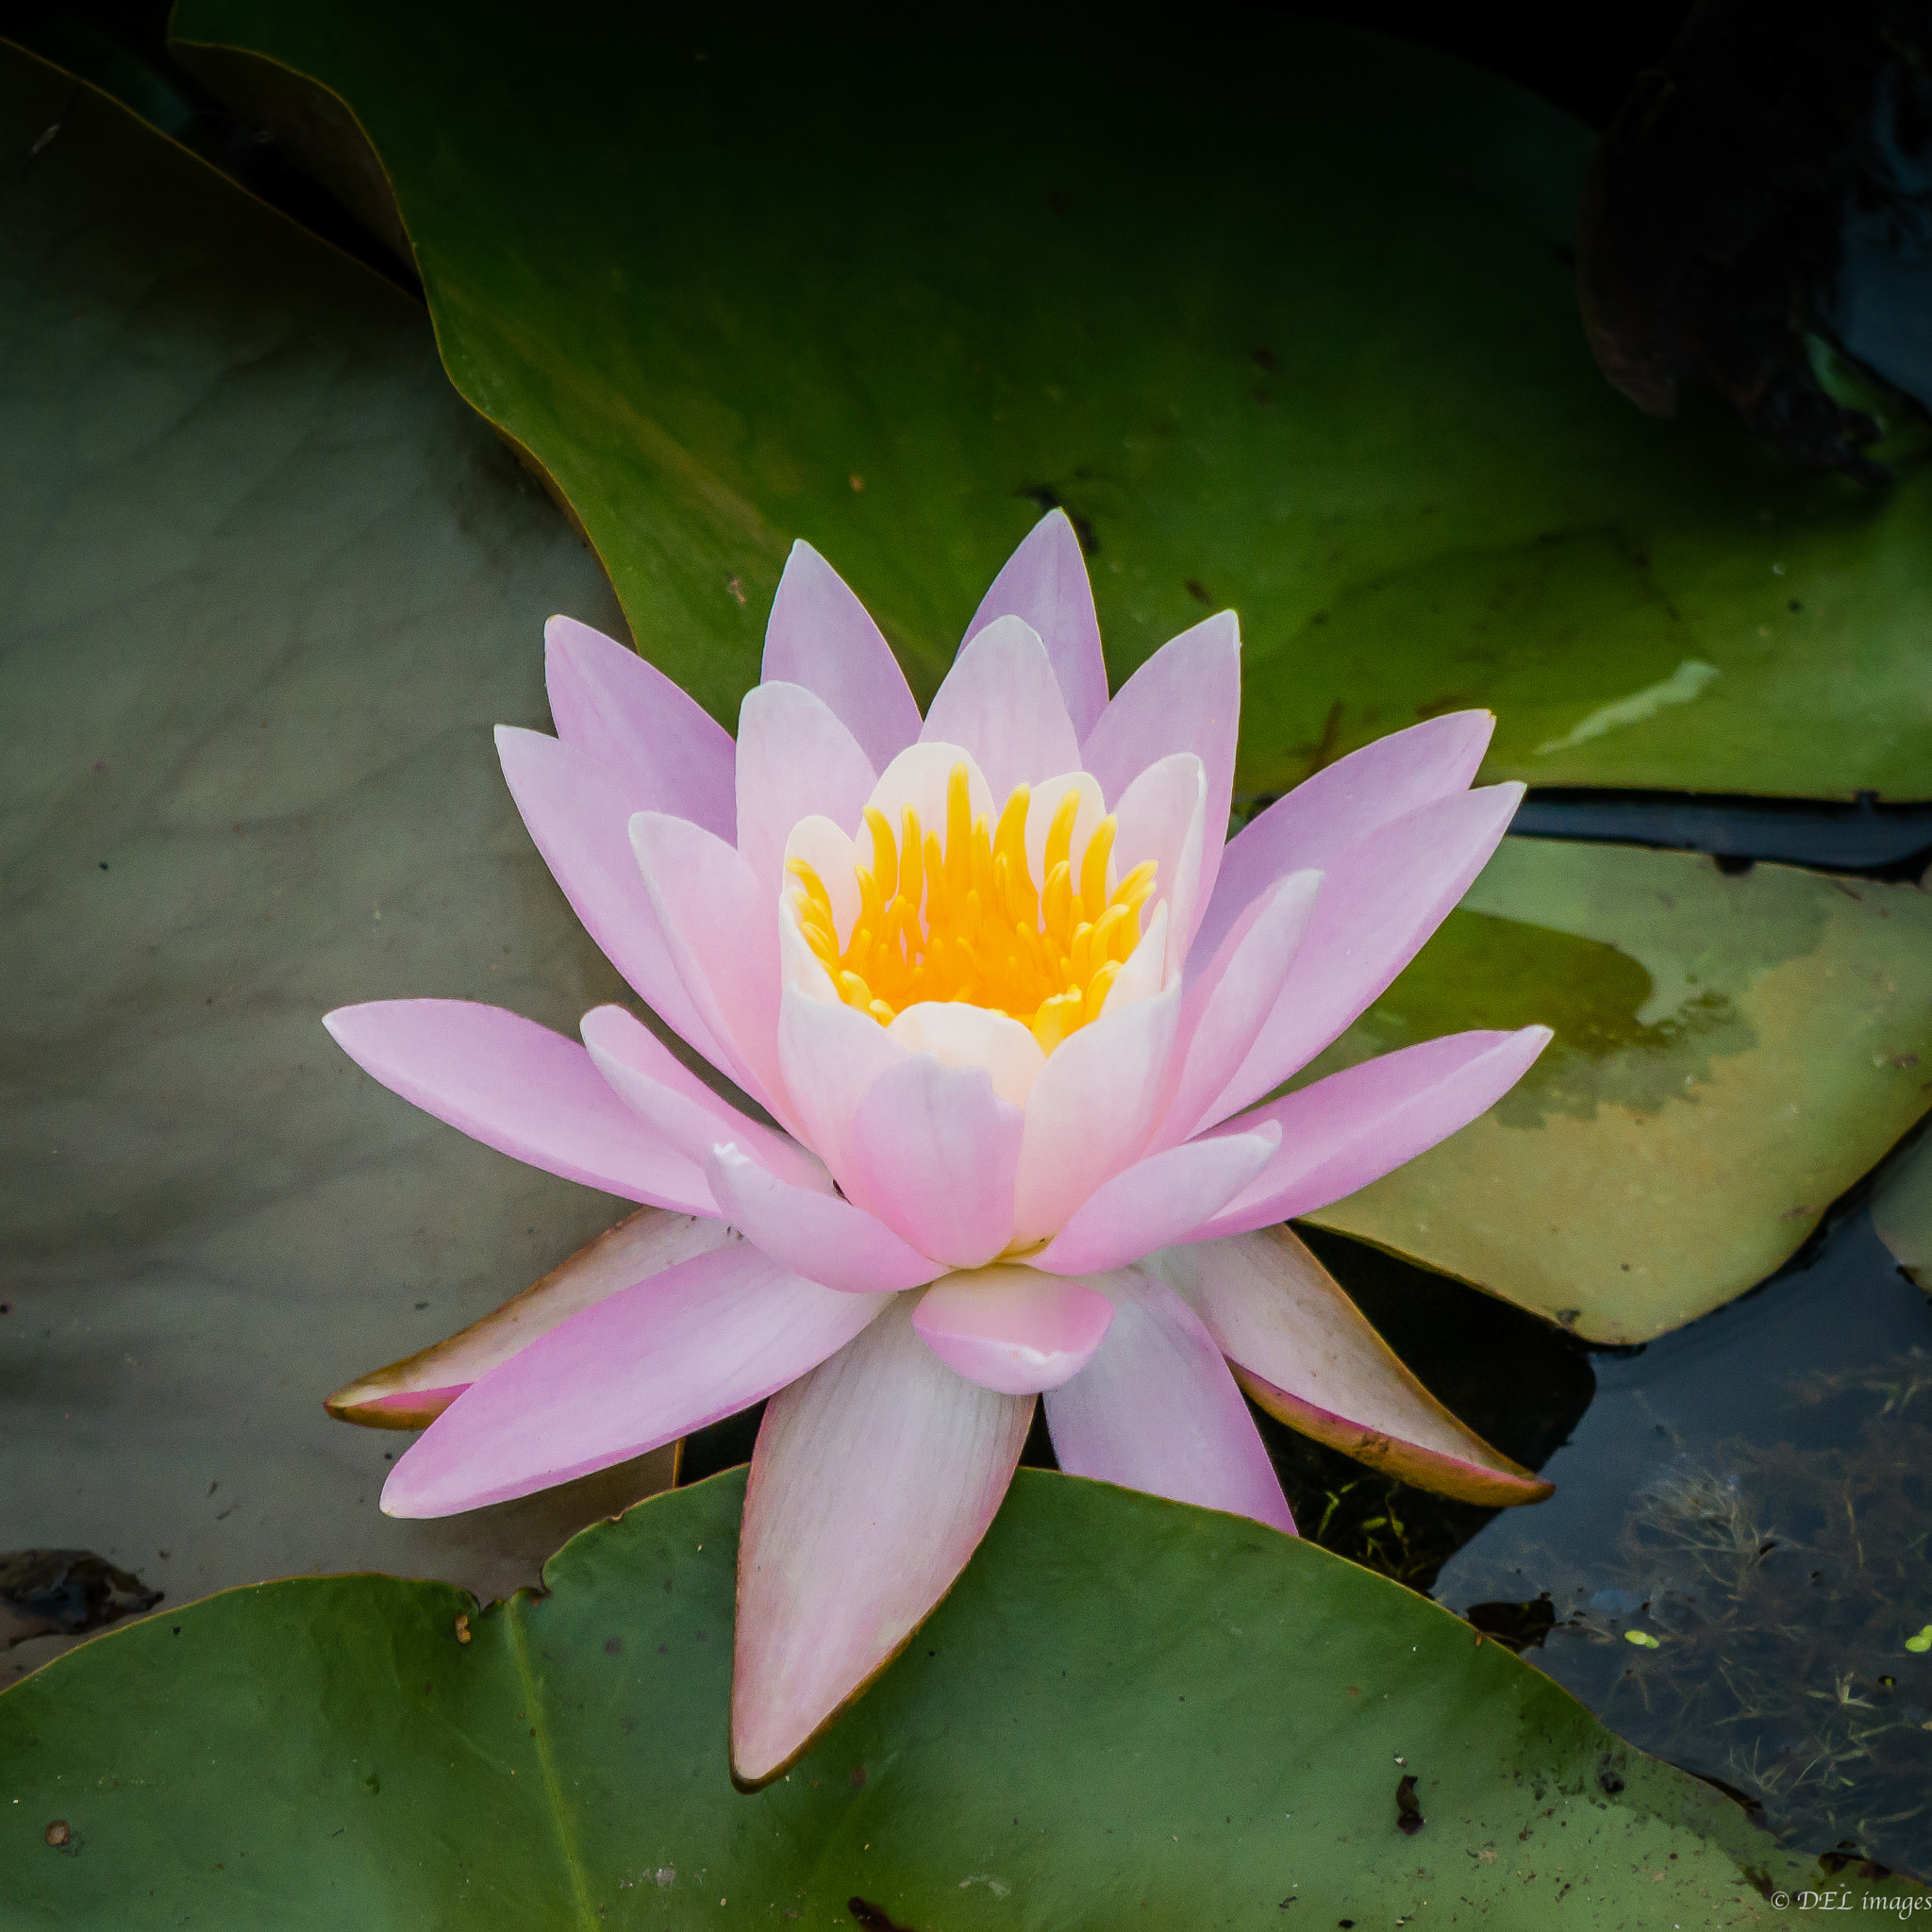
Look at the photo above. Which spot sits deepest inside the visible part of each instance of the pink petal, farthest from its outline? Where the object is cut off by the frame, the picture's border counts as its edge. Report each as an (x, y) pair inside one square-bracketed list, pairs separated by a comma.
[(678, 1106), (1162, 816), (823, 1237), (1186, 697), (796, 760), (1044, 583), (1343, 803), (1157, 1201), (1011, 1328), (1156, 1409), (1353, 1127), (1225, 1007), (1307, 1356), (830, 1053), (1092, 1109), (669, 754), (653, 1362), (721, 928), (1379, 901), (932, 1151), (578, 814), (873, 1482), (1000, 703), (411, 1393), (520, 1088), (822, 636)]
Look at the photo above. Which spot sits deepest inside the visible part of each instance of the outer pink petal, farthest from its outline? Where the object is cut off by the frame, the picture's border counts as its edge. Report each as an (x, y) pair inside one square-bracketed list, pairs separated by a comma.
[(796, 760), (1012, 1329), (1000, 703), (1343, 803), (682, 1349), (934, 1152), (823, 1237), (411, 1393), (1186, 697), (678, 1106), (1225, 1007), (1163, 816), (520, 1088), (1092, 1109), (1156, 1409), (607, 701), (578, 812), (1306, 1353), (1157, 1201), (1354, 1126), (1378, 902), (873, 1482), (820, 636), (1044, 582), (721, 928)]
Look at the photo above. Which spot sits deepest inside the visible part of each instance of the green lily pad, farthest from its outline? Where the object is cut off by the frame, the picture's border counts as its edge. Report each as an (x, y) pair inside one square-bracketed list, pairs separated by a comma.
[(1732, 1052), (265, 585), (1902, 1212), (1281, 312), (1127, 1712)]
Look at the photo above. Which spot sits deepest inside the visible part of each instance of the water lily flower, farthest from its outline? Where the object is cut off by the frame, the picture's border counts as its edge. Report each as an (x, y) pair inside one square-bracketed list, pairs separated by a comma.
[(1002, 1009)]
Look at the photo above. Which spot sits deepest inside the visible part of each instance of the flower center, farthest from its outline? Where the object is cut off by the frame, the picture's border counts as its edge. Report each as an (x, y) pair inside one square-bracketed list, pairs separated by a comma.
[(960, 918)]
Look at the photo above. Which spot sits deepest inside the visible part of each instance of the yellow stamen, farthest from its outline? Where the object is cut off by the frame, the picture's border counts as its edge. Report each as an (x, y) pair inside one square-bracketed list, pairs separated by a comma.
[(960, 916)]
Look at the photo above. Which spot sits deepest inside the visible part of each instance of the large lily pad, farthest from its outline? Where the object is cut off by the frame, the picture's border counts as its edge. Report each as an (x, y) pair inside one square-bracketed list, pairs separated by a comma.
[(1281, 312), (265, 584), (1128, 1712), (1733, 1051)]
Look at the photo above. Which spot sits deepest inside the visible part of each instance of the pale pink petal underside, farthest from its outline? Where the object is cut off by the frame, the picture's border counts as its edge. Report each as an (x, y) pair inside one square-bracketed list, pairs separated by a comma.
[(1044, 582), (820, 636), (796, 760), (873, 1482), (607, 700), (1000, 702), (1379, 902), (520, 1088), (411, 1393), (1343, 803), (1186, 697), (1156, 1201), (578, 813), (933, 1151), (1156, 1409), (1308, 1356), (823, 1237), (1012, 1328), (1342, 1132), (683, 1349)]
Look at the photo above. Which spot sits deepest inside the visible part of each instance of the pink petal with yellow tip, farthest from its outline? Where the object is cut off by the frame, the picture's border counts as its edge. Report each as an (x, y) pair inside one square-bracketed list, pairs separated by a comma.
[(1308, 1356), (411, 1393), (1379, 901), (1044, 582), (1156, 1201), (683, 1349), (1353, 1127), (821, 1237), (1000, 702), (1011, 1328), (874, 1480), (1156, 1409), (520, 1088), (1342, 803), (578, 813), (672, 754), (820, 636)]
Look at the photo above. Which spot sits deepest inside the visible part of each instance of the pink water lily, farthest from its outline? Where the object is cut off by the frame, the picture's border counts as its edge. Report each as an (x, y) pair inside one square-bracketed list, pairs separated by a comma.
[(1003, 1009)]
